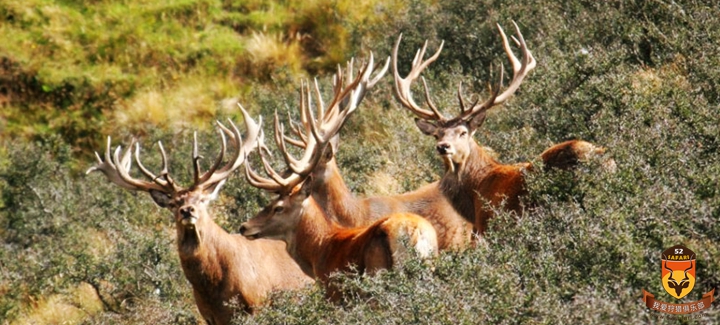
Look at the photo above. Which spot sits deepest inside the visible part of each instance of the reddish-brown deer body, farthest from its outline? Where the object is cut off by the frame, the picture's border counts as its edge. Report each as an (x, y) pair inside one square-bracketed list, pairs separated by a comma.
[(321, 246), (474, 181), (317, 243), (482, 181), (218, 265), (333, 195)]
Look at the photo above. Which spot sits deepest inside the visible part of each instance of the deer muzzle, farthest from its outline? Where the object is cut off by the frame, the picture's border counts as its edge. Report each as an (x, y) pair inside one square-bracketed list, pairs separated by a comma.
[(188, 215), (444, 148), (249, 231)]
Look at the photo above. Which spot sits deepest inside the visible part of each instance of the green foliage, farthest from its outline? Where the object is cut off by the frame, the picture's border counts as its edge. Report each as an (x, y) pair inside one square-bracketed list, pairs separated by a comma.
[(67, 231), (78, 68)]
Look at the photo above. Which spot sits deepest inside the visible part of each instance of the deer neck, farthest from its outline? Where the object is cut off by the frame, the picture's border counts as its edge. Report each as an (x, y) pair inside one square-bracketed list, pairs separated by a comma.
[(311, 238), (458, 185), (477, 165), (335, 198), (199, 251)]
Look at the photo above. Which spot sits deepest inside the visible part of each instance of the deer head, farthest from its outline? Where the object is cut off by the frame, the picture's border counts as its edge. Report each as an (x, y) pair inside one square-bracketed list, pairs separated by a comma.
[(317, 138), (454, 135), (674, 284), (188, 204)]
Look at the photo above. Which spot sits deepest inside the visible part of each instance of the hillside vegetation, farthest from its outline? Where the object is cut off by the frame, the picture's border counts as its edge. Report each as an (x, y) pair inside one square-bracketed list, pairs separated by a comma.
[(639, 77)]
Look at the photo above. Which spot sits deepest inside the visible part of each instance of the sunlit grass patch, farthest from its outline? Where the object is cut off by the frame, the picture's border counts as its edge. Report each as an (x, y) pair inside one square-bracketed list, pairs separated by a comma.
[(76, 306), (191, 102), (269, 52)]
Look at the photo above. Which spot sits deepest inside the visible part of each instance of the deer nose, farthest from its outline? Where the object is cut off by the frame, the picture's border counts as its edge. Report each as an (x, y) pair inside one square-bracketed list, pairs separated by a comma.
[(187, 212), (442, 148)]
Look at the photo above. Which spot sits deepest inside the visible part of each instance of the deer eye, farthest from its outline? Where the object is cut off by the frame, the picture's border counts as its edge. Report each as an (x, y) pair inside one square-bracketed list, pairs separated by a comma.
[(463, 134), (278, 209)]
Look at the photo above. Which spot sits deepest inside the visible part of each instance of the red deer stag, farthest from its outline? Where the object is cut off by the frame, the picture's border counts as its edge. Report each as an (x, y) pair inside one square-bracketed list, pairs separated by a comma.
[(317, 243), (332, 194), (473, 178), (219, 266)]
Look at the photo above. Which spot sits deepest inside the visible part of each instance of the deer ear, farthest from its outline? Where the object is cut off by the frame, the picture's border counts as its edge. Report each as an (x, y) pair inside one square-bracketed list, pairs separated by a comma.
[(306, 187), (334, 143), (425, 127), (476, 121), (330, 151), (162, 199)]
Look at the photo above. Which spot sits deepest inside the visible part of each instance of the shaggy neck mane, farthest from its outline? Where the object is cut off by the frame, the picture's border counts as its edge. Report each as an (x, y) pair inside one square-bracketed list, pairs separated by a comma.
[(311, 236), (199, 256), (457, 184), (332, 192)]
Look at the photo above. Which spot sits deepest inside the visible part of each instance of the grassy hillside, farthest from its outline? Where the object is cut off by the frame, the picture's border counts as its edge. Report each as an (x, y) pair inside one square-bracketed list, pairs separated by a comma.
[(639, 77)]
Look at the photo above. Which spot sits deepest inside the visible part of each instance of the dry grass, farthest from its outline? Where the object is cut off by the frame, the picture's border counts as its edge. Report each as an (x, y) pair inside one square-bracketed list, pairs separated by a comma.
[(271, 51), (191, 102), (74, 308)]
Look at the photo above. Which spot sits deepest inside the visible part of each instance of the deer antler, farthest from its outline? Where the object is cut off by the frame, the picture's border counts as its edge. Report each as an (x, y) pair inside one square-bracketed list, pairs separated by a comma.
[(215, 174), (117, 169), (404, 94), (520, 71), (348, 92), (330, 119), (402, 85)]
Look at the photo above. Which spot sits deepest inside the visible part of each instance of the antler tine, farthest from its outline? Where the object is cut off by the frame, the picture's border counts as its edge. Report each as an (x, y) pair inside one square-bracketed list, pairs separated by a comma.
[(402, 85), (351, 102), (167, 183), (196, 160), (276, 183), (144, 170), (294, 129), (118, 172), (345, 90), (321, 103), (164, 173), (258, 181), (110, 169), (216, 175), (434, 108), (487, 104), (354, 93), (461, 99), (222, 131), (280, 140), (338, 83), (520, 71), (305, 100), (379, 75)]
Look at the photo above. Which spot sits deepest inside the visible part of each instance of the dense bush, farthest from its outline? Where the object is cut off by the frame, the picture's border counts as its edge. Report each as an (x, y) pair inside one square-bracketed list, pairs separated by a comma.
[(638, 77)]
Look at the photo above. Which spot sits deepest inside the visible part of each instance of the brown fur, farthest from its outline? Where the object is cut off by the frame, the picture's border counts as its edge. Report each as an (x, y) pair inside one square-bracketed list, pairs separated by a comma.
[(482, 182), (475, 183), (569, 154), (321, 246), (222, 266), (219, 266), (333, 195)]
